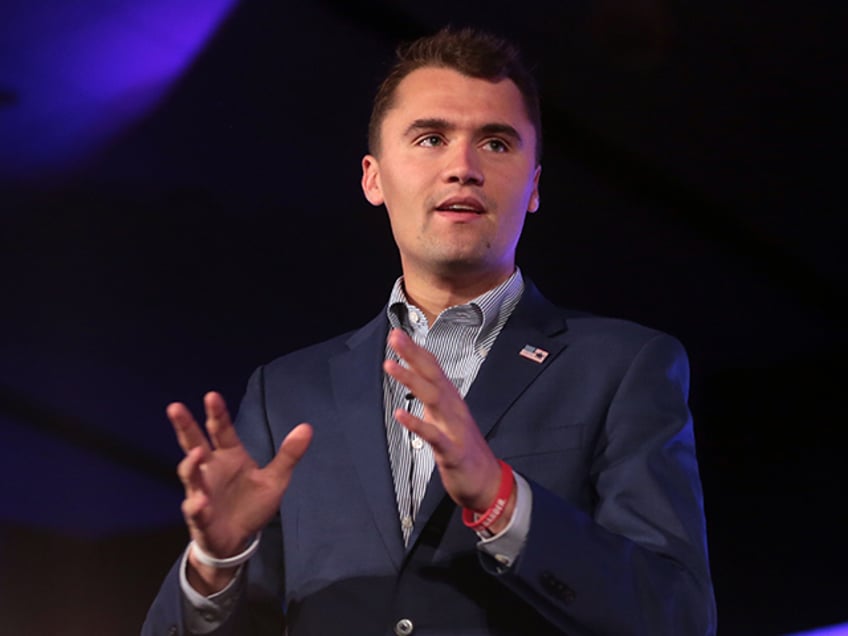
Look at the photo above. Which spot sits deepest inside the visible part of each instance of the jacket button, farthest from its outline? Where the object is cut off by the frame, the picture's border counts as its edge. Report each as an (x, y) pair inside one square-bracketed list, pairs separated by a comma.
[(404, 627), (557, 588)]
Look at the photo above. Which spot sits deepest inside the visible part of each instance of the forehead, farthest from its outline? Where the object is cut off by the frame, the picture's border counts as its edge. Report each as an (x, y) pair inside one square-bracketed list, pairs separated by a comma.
[(443, 93)]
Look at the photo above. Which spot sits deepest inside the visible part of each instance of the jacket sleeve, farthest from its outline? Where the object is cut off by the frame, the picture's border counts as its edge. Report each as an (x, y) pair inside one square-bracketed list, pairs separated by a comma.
[(637, 562)]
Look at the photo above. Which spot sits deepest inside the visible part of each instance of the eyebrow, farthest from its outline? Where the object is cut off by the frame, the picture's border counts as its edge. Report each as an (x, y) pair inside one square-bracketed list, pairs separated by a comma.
[(436, 123)]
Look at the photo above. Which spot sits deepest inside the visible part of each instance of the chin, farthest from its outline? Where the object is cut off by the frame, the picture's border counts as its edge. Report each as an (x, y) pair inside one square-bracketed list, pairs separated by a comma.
[(466, 266)]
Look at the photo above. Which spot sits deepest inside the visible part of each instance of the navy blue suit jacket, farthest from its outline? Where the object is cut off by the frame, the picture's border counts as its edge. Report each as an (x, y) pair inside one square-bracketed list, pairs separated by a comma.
[(600, 429)]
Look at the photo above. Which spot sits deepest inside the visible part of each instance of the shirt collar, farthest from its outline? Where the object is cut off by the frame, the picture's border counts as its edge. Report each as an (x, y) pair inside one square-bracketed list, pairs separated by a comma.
[(488, 306)]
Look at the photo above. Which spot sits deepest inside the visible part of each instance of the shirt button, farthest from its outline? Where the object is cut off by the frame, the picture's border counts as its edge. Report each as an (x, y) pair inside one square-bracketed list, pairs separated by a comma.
[(417, 443), (413, 317), (406, 522), (404, 627)]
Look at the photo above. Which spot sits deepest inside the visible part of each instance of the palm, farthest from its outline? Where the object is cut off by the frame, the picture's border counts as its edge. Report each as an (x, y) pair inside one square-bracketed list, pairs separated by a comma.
[(228, 497)]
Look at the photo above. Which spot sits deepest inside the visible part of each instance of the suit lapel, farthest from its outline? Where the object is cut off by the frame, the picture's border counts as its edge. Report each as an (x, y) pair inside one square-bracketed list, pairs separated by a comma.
[(357, 389), (505, 375)]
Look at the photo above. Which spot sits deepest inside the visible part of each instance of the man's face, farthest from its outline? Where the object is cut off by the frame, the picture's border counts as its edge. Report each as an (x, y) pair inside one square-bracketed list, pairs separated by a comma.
[(456, 170)]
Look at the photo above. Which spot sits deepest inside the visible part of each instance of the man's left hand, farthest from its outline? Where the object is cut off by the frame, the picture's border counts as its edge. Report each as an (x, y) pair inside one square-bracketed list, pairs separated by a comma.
[(469, 470)]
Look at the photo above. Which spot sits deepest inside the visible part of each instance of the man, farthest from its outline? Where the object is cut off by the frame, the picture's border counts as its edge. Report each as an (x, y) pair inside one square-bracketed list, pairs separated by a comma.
[(476, 461)]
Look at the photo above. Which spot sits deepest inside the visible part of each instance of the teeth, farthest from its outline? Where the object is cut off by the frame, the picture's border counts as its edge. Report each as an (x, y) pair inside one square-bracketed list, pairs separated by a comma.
[(463, 208)]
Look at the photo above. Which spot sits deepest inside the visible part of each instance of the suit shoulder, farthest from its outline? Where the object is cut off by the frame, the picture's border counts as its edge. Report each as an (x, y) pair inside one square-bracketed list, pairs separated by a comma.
[(580, 325), (311, 353), (616, 333), (320, 352), (588, 323), (618, 347)]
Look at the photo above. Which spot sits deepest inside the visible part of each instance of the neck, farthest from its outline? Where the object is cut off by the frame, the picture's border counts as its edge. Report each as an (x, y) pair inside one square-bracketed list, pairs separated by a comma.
[(433, 294)]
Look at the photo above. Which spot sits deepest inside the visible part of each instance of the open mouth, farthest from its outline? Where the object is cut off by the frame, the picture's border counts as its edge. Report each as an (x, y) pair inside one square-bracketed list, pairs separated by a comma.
[(461, 205)]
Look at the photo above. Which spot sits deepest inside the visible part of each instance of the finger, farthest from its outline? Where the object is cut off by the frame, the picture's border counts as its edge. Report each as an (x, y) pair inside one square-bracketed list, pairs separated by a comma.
[(418, 358), (188, 432), (190, 473), (427, 392), (430, 433), (291, 450), (193, 508), (218, 421)]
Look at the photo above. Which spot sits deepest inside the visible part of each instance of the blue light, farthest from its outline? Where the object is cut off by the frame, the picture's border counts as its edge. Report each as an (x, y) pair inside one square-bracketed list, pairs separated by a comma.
[(833, 630), (74, 75)]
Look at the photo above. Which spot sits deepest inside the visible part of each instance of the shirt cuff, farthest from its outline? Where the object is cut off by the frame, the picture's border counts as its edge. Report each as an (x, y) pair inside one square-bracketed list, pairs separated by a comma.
[(205, 614), (506, 546)]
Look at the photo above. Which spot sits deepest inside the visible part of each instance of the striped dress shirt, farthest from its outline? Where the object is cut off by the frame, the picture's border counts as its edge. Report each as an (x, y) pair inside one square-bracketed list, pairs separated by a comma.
[(459, 338)]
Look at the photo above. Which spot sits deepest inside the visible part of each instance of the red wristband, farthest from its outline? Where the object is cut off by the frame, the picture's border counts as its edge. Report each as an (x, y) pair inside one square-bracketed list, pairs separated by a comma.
[(496, 509)]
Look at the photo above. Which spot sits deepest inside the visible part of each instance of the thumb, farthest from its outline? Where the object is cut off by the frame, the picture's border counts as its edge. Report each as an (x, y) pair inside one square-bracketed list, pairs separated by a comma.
[(291, 450)]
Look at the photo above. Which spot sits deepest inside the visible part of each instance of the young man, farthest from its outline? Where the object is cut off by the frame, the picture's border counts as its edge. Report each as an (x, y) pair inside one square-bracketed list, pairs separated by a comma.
[(476, 460)]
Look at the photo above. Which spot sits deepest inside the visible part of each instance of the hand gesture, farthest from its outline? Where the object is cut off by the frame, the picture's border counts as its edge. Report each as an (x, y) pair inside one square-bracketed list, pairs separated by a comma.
[(469, 470), (228, 498)]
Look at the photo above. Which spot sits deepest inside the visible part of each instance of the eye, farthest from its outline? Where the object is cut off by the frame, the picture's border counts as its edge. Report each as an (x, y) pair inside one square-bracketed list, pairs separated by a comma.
[(496, 145), (430, 141)]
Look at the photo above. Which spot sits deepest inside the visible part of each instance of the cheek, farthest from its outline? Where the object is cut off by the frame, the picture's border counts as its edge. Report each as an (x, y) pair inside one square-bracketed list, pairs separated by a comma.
[(398, 188), (398, 209), (515, 201)]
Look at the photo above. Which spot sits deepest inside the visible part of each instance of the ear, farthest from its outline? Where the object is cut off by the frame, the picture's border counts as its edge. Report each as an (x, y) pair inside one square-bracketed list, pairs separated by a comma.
[(533, 203), (371, 180)]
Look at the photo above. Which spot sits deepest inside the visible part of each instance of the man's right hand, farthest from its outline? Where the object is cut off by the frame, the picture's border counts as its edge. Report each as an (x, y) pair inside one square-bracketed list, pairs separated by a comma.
[(228, 498)]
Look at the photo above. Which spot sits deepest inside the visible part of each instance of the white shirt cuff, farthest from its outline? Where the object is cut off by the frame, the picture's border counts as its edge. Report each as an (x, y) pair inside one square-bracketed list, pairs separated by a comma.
[(205, 614), (506, 546)]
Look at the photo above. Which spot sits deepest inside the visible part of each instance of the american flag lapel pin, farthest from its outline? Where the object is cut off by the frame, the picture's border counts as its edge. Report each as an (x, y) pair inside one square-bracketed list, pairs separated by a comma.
[(535, 354)]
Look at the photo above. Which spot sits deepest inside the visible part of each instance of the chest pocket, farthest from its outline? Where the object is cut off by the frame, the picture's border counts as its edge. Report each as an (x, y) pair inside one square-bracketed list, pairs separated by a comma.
[(526, 442)]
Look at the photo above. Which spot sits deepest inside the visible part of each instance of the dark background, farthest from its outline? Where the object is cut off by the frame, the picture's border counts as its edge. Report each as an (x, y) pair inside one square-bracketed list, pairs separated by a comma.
[(203, 224)]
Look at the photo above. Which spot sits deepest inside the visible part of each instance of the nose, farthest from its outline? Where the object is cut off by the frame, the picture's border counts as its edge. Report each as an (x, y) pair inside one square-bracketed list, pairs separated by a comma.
[(463, 165)]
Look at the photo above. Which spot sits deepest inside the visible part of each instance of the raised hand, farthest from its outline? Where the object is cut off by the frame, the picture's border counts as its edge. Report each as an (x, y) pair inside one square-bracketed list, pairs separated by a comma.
[(469, 470), (228, 497)]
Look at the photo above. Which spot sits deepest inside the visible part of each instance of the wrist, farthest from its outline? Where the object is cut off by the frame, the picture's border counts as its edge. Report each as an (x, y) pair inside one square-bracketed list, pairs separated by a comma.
[(500, 524), (226, 562), (207, 580), (208, 574), (499, 511)]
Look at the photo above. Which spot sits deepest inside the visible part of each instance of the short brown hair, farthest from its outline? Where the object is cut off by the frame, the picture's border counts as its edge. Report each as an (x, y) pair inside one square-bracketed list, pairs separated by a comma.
[(470, 52)]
